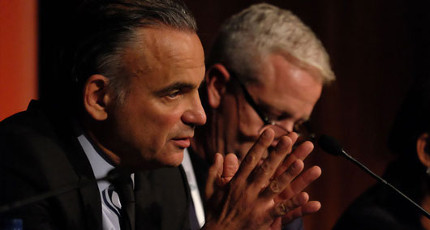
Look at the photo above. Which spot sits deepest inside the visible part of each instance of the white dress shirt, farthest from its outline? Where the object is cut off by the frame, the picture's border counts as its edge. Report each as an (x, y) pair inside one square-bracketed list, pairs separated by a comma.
[(192, 182)]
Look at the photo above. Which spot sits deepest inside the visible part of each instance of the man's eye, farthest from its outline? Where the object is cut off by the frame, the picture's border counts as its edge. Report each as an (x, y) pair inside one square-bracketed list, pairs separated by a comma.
[(174, 94), (275, 117), (271, 117)]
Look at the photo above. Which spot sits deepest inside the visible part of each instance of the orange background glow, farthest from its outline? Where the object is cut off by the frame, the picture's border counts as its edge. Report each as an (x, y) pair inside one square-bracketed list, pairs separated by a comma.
[(18, 55)]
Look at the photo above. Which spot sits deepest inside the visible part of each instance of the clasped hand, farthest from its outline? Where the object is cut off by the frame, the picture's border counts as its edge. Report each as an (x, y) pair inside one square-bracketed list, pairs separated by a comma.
[(261, 194)]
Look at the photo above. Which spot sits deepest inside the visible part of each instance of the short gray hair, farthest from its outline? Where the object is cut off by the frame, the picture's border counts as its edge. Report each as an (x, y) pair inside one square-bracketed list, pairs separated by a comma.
[(262, 29)]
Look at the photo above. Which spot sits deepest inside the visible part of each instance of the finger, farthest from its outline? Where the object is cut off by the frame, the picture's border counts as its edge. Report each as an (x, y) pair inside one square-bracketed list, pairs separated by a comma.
[(214, 174), (277, 224), (254, 154), (301, 182), (280, 183), (301, 152), (262, 174), (295, 202), (282, 208), (310, 207), (231, 165), (293, 136), (306, 209)]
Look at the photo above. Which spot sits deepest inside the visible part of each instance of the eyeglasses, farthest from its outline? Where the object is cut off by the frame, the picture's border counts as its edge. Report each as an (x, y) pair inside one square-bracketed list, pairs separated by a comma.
[(302, 129)]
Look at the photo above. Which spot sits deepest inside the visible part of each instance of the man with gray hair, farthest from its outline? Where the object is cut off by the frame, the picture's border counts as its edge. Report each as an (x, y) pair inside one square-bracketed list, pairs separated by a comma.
[(265, 70)]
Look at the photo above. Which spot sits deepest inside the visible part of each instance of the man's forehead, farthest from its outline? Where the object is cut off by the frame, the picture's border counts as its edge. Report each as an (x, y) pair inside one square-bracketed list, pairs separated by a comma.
[(164, 48), (165, 43), (286, 88), (165, 59), (279, 72)]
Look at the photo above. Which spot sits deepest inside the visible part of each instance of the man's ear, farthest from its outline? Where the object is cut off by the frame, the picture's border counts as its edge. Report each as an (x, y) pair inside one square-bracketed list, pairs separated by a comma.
[(423, 149), (96, 97), (217, 77)]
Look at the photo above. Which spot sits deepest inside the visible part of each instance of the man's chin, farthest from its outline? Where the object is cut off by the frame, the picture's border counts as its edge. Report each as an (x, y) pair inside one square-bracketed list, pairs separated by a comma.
[(173, 159)]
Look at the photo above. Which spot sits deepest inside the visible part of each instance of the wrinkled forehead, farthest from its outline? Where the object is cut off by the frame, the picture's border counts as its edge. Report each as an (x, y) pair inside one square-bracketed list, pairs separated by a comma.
[(161, 47), (279, 70), (280, 56), (283, 83)]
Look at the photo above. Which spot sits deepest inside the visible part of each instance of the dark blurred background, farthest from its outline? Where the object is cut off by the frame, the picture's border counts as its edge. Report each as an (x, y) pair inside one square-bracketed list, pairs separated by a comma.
[(377, 49)]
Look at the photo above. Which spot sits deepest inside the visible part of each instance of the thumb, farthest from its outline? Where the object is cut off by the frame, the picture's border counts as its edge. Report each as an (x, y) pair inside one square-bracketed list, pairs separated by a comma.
[(231, 165), (214, 175)]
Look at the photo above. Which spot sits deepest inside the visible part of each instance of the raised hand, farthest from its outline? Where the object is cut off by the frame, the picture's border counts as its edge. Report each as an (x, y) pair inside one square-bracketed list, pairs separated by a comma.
[(258, 195)]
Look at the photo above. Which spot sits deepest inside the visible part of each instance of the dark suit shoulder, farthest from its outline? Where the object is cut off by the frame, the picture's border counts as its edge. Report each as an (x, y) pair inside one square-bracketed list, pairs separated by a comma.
[(379, 208), (35, 159), (29, 144)]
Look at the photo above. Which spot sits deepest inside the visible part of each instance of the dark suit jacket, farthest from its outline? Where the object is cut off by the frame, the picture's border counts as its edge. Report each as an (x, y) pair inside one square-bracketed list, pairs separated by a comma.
[(382, 208), (39, 152), (378, 208)]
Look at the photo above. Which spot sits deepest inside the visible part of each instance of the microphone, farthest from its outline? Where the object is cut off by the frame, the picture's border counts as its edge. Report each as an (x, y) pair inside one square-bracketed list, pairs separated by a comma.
[(331, 146), (112, 175)]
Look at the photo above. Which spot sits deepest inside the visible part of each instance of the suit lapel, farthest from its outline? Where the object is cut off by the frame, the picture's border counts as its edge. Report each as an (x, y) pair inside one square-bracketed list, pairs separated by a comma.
[(89, 192)]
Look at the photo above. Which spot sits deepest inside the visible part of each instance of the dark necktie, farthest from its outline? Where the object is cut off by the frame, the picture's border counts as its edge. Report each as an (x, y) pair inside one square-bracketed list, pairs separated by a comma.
[(194, 223), (124, 187)]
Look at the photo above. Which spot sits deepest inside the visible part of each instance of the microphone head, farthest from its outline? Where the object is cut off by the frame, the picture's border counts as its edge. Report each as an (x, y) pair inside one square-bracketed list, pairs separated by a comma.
[(330, 145)]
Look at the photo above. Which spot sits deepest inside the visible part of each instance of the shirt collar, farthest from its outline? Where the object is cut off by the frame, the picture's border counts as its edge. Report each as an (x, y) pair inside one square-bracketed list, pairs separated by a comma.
[(100, 165)]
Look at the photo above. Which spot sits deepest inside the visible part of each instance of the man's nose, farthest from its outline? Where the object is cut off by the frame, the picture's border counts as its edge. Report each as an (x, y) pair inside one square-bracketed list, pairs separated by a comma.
[(281, 129), (288, 125), (195, 115)]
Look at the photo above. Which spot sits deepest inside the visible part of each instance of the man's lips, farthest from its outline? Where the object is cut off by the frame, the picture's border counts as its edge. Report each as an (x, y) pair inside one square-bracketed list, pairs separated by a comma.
[(182, 142)]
